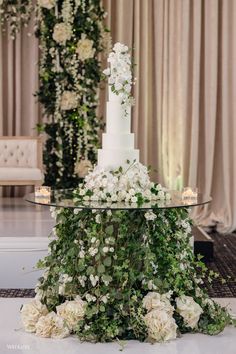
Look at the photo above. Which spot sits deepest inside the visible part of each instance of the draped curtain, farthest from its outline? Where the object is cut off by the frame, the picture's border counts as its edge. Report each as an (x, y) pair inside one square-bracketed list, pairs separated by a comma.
[(185, 113), (184, 117)]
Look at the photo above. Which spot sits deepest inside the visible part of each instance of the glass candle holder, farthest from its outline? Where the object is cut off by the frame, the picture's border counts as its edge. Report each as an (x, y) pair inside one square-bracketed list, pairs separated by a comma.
[(189, 193), (42, 192)]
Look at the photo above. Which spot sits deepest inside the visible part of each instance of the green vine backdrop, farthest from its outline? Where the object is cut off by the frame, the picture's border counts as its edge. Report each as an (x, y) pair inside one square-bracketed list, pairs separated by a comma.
[(72, 37)]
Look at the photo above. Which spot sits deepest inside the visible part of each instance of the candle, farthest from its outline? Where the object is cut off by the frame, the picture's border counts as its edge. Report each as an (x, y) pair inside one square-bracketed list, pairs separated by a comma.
[(42, 192), (189, 193)]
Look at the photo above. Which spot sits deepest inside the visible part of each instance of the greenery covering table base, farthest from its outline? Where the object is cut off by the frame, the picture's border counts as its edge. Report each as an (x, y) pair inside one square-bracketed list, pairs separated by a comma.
[(123, 274)]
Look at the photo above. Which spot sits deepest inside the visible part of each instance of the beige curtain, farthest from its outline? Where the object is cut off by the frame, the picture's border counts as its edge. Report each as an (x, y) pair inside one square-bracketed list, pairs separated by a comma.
[(184, 118), (19, 111)]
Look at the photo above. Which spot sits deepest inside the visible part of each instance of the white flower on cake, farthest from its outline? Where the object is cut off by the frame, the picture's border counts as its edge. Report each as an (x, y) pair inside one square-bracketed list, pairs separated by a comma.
[(154, 300), (189, 310), (161, 326), (62, 32), (72, 312), (69, 100), (85, 48), (119, 74), (52, 326), (130, 185), (47, 4), (31, 313)]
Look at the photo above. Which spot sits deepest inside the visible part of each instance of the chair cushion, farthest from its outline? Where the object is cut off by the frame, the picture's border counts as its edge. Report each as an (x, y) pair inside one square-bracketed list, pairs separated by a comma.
[(18, 153), (20, 174)]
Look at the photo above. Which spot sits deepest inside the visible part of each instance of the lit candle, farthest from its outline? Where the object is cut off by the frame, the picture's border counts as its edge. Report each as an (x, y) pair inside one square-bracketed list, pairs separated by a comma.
[(189, 193), (44, 192)]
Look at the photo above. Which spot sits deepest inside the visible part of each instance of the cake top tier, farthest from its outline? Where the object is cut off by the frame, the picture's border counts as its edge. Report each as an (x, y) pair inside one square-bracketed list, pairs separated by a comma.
[(120, 75)]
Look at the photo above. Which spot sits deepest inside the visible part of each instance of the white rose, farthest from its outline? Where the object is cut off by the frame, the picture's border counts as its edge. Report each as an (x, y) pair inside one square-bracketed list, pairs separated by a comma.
[(189, 310), (52, 326), (69, 100), (62, 32), (107, 72), (48, 4), (30, 314), (82, 168), (150, 216), (85, 48), (120, 48), (72, 312), (154, 300), (161, 326)]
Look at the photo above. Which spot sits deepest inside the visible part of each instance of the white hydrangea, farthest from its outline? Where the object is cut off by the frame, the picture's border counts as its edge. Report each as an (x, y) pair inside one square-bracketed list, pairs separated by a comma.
[(52, 326), (161, 326), (85, 48), (154, 300), (69, 100), (62, 32), (189, 310), (72, 312), (31, 313)]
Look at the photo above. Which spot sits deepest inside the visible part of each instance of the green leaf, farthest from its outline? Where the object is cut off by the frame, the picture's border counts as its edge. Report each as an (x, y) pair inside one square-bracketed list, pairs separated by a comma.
[(109, 229), (102, 308), (107, 261), (101, 268)]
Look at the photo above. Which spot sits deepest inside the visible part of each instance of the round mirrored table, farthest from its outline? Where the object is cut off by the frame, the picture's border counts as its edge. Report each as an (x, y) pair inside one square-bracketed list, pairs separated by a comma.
[(66, 199)]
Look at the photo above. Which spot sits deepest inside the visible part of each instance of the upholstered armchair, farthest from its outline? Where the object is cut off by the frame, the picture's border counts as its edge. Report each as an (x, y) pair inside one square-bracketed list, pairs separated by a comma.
[(20, 161)]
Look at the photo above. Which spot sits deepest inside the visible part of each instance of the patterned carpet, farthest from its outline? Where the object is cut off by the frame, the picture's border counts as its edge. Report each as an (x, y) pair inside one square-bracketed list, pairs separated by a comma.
[(224, 263)]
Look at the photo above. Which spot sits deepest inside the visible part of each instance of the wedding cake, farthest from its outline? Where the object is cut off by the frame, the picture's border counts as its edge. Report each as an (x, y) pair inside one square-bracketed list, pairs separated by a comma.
[(118, 141)]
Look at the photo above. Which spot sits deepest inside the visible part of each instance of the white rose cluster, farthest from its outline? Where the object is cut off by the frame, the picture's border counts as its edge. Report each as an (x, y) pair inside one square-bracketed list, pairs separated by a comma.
[(119, 74), (31, 313), (69, 100), (62, 32), (189, 310), (121, 186), (36, 318), (72, 312), (52, 326), (159, 320), (85, 48)]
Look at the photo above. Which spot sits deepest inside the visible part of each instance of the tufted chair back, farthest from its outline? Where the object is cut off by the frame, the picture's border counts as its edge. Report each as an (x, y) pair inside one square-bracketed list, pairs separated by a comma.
[(19, 152)]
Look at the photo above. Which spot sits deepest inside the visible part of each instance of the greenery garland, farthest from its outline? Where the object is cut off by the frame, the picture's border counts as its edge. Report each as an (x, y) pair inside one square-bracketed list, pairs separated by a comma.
[(72, 36), (109, 272)]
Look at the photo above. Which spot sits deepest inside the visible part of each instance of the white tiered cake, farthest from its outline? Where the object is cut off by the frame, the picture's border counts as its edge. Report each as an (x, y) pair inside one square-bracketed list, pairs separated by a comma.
[(118, 141)]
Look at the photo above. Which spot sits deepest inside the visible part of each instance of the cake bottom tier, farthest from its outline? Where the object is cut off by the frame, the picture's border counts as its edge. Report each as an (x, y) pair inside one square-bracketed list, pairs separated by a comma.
[(114, 158)]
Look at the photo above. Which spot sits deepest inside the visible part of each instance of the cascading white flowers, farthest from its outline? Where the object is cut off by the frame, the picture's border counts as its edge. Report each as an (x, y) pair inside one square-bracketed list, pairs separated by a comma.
[(119, 74), (130, 185)]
